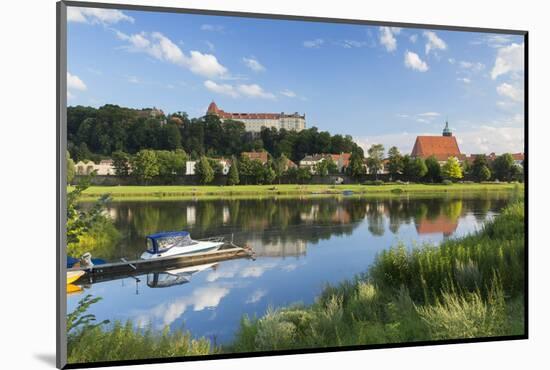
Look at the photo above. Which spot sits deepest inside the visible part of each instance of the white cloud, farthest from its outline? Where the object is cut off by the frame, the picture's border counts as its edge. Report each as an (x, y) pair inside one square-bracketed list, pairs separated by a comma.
[(288, 93), (132, 79), (413, 38), (161, 47), (387, 37), (510, 91), (253, 64), (251, 91), (224, 89), (473, 66), (350, 44), (494, 41), (429, 114), (94, 15), (314, 43), (452, 60), (413, 61), (255, 91), (509, 59), (256, 296), (465, 80), (433, 42), (212, 27), (70, 96), (75, 83)]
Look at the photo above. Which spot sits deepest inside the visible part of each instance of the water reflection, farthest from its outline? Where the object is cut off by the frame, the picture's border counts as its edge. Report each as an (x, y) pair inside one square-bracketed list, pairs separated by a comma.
[(285, 227), (301, 245)]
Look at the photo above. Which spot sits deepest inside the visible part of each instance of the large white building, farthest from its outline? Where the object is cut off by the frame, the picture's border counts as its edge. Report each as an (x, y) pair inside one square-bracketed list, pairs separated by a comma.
[(253, 122)]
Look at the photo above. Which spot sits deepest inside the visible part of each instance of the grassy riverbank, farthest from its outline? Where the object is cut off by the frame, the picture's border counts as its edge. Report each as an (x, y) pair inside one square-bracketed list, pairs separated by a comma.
[(177, 191), (469, 287)]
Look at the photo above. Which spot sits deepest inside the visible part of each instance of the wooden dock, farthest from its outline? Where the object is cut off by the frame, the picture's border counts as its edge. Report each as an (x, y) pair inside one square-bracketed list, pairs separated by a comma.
[(113, 270)]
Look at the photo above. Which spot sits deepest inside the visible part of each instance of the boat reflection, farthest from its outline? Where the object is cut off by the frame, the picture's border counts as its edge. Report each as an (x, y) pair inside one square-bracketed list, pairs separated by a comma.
[(165, 279)]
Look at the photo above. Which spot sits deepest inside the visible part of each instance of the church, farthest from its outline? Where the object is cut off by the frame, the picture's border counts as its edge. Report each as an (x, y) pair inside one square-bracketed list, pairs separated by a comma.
[(441, 147)]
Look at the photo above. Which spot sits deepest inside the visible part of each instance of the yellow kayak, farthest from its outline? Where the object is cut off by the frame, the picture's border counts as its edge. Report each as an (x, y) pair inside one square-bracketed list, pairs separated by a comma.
[(73, 276), (73, 289)]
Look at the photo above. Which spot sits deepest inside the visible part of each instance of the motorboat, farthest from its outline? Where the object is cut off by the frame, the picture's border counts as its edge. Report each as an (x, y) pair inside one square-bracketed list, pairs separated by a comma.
[(176, 243)]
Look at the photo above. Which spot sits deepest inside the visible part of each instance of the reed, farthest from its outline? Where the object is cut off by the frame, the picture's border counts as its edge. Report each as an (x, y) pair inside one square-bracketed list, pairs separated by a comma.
[(469, 287)]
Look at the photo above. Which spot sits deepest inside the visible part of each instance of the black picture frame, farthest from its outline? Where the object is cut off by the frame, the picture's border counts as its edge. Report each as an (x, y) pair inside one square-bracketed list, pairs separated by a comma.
[(61, 185)]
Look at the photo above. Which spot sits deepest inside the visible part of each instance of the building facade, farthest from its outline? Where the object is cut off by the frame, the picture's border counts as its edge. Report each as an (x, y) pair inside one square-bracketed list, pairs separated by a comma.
[(253, 122), (441, 147)]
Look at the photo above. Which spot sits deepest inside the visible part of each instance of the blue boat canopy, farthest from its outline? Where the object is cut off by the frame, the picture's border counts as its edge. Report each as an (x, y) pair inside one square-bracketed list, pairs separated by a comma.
[(163, 241)]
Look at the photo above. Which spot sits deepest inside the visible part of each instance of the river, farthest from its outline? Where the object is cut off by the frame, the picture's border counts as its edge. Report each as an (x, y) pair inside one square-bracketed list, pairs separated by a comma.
[(301, 245)]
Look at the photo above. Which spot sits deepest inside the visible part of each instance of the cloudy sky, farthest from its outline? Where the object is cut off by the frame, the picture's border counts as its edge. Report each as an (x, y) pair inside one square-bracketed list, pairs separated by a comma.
[(378, 84)]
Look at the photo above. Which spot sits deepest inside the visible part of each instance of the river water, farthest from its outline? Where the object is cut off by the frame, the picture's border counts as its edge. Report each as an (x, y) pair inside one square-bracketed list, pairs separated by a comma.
[(301, 245)]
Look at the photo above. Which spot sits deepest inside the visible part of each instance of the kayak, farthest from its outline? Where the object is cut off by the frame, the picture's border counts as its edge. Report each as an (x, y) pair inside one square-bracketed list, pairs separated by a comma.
[(73, 276)]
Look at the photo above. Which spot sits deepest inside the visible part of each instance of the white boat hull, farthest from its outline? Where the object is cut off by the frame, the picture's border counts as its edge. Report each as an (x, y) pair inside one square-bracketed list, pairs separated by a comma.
[(200, 246)]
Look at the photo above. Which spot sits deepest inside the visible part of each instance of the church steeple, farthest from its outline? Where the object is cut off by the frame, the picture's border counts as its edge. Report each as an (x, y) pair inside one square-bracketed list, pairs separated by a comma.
[(447, 130)]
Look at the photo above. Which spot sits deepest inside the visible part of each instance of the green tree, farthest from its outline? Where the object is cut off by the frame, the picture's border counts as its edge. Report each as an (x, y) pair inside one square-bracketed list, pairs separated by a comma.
[(145, 165), (479, 168), (414, 168), (204, 170), (269, 175), (356, 167), (484, 174), (451, 170), (434, 170), (503, 167), (395, 162), (233, 175), (70, 168), (121, 163), (375, 159), (171, 163), (280, 165)]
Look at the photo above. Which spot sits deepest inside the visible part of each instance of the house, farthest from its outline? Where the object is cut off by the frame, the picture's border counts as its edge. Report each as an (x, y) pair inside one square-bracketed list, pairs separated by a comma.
[(256, 156), (341, 160), (518, 159), (224, 163), (441, 147), (104, 168)]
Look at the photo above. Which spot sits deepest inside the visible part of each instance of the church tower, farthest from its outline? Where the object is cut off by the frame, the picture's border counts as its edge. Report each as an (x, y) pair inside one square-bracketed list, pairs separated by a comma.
[(447, 130)]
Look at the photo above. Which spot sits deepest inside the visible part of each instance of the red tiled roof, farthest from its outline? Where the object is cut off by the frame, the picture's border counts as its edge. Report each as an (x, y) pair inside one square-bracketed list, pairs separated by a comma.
[(441, 147), (518, 156), (213, 109), (259, 156), (345, 158)]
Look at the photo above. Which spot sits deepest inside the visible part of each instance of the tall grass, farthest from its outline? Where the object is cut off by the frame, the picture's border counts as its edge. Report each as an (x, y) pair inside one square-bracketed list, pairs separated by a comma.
[(88, 341), (468, 287)]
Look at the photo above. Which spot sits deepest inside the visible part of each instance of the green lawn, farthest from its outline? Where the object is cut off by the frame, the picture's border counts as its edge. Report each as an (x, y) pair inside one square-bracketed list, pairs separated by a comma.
[(179, 191)]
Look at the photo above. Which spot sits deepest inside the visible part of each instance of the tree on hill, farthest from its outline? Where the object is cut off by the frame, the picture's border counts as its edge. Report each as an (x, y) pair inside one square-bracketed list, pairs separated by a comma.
[(204, 171), (145, 165), (233, 175), (121, 163), (451, 170)]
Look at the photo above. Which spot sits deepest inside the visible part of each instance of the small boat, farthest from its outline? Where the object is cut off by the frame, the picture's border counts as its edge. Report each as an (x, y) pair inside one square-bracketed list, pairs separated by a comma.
[(347, 192), (74, 289), (73, 276), (175, 243)]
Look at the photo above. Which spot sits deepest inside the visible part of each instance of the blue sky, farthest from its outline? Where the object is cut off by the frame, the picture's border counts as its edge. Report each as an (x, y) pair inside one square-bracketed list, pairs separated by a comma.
[(378, 84)]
